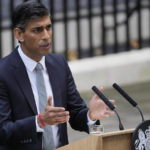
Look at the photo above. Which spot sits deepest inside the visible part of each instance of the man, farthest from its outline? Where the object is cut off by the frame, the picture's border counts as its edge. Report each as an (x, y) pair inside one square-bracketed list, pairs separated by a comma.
[(22, 123)]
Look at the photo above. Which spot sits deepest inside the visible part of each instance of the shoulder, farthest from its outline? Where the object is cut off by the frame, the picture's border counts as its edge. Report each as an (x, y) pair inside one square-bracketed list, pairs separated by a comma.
[(58, 63), (7, 62), (9, 57), (56, 59), (4, 63), (56, 56)]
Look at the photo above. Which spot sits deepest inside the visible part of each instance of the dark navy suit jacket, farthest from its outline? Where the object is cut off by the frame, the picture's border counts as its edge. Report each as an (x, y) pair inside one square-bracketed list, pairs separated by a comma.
[(18, 108)]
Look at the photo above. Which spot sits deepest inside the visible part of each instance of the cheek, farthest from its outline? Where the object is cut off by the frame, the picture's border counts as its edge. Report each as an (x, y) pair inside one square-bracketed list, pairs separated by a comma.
[(51, 33), (30, 44), (32, 41), (29, 37)]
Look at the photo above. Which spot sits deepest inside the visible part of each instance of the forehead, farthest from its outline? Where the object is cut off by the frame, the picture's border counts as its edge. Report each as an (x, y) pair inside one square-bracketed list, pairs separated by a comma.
[(39, 22)]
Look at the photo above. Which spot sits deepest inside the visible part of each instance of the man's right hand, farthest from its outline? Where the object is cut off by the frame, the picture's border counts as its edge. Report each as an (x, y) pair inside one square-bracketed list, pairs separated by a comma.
[(54, 115)]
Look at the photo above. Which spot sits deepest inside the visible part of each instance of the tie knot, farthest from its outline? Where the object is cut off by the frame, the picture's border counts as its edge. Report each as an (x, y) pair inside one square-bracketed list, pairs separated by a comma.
[(39, 66)]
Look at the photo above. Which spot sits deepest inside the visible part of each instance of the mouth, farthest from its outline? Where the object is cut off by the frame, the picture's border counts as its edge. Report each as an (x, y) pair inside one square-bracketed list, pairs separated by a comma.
[(46, 46)]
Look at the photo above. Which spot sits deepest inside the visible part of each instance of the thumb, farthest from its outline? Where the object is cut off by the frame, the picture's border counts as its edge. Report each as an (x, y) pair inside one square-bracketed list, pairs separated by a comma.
[(49, 101)]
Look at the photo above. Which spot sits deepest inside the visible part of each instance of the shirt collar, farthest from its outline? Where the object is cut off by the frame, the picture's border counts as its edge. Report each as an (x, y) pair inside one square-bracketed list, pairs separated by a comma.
[(30, 64)]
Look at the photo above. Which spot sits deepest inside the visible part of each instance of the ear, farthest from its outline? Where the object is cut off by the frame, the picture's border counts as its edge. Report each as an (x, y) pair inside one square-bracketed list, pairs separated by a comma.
[(19, 34)]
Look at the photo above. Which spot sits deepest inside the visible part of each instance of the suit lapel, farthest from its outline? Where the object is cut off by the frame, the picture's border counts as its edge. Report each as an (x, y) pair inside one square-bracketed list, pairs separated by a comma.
[(24, 83), (56, 88), (23, 80), (52, 72)]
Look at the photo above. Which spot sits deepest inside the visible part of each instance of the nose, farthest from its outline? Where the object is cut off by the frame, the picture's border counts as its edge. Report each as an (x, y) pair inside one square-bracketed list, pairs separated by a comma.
[(46, 35)]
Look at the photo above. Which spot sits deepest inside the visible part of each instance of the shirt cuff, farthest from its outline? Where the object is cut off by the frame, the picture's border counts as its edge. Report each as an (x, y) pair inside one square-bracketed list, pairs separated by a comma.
[(90, 122), (38, 129)]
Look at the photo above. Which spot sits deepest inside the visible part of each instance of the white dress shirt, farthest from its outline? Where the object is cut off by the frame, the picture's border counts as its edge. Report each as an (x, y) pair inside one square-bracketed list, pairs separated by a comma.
[(30, 65)]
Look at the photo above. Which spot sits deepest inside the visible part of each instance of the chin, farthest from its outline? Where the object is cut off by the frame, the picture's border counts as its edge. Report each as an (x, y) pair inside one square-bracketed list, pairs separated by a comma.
[(45, 54)]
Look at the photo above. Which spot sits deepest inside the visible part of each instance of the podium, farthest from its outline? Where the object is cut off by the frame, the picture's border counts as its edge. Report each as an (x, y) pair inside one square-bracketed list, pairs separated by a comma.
[(120, 140)]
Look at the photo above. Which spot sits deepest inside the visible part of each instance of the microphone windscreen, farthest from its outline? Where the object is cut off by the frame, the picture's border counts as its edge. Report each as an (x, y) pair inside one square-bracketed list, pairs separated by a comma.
[(125, 95), (106, 101)]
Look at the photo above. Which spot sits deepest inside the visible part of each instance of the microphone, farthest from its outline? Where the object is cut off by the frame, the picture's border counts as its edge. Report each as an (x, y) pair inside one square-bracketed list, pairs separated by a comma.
[(128, 98), (108, 103)]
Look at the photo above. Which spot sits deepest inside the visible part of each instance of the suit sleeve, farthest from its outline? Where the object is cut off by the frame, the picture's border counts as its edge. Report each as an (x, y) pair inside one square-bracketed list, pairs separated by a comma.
[(13, 131)]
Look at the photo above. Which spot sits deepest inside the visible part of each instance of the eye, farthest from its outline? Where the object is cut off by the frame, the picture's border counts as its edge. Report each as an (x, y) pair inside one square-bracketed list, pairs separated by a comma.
[(37, 30), (48, 27)]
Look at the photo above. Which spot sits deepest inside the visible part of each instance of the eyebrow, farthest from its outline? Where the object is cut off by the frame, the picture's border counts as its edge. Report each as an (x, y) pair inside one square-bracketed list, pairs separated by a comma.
[(40, 27)]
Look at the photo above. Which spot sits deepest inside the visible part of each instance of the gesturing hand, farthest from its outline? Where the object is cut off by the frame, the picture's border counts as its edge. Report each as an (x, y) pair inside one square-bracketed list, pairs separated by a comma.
[(98, 109), (54, 115)]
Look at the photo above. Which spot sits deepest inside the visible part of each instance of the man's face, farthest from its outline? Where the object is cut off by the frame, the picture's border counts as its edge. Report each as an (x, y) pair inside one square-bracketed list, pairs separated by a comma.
[(36, 40)]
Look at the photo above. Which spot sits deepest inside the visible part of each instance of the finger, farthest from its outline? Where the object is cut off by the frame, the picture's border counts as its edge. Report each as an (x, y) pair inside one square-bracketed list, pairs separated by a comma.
[(104, 114), (59, 114), (64, 119), (109, 112), (49, 101), (58, 120), (98, 117), (101, 89), (112, 101), (55, 109), (95, 97), (101, 116)]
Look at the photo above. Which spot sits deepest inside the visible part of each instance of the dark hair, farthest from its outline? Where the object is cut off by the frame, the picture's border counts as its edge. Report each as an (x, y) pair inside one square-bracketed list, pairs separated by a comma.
[(27, 11)]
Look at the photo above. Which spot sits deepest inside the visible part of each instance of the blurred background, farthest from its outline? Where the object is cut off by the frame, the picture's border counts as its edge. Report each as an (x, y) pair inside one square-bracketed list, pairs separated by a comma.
[(104, 41)]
